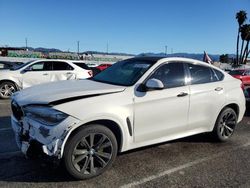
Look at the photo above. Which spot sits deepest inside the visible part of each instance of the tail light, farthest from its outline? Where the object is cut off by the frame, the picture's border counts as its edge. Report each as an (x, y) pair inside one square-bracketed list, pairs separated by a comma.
[(242, 86), (90, 73)]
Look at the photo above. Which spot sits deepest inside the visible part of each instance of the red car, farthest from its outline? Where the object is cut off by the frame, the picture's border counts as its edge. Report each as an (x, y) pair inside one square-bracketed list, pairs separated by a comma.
[(241, 74), (102, 67)]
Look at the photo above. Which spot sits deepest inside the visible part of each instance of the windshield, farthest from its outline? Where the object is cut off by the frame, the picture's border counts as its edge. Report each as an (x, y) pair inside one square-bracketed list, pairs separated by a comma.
[(124, 73), (17, 67), (236, 72)]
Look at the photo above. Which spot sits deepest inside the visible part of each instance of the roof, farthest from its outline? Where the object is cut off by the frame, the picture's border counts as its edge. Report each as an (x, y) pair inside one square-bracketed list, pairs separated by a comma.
[(149, 58)]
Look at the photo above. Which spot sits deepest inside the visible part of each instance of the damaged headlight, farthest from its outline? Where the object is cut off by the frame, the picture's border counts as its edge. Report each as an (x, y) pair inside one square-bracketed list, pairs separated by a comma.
[(44, 114)]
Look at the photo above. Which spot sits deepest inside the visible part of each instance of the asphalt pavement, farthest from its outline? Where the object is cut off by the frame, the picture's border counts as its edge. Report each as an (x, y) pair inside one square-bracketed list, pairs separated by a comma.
[(195, 161)]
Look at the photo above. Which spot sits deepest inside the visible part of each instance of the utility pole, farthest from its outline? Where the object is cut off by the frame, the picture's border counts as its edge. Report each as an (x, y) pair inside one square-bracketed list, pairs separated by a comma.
[(172, 50), (78, 44), (107, 48), (26, 43), (166, 50)]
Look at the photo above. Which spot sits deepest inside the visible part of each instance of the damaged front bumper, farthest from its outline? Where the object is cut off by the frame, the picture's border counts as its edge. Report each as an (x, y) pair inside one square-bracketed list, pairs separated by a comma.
[(32, 136)]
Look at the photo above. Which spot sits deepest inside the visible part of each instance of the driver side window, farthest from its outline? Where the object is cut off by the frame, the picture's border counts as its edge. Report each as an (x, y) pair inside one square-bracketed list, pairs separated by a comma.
[(41, 66), (171, 74), (37, 66)]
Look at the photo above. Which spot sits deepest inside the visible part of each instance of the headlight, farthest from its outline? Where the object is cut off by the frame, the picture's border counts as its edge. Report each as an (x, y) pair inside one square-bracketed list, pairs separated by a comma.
[(45, 115)]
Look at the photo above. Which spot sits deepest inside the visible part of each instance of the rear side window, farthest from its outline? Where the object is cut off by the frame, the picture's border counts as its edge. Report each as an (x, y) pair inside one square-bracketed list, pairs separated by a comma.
[(41, 66), (82, 65), (171, 75), (61, 66), (218, 75), (200, 74)]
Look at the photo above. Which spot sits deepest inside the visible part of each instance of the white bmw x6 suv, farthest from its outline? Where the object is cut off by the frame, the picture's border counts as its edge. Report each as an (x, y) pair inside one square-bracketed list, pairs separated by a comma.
[(136, 102), (38, 72)]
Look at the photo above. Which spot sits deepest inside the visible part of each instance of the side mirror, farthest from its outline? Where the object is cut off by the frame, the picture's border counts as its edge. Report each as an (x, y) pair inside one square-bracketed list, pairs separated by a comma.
[(27, 69), (154, 84)]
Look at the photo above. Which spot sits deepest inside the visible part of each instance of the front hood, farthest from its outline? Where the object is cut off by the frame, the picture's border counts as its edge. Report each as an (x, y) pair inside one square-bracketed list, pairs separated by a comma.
[(57, 92)]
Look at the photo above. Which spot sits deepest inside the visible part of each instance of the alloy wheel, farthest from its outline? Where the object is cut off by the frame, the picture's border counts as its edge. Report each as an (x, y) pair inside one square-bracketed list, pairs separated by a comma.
[(227, 124), (7, 90), (92, 153)]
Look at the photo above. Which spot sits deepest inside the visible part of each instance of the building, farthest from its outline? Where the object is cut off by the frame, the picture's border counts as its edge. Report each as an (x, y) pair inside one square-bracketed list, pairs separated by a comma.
[(4, 51)]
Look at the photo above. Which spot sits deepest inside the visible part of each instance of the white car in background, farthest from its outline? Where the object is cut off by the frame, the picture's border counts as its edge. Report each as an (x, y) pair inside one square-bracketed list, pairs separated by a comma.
[(40, 71), (134, 103)]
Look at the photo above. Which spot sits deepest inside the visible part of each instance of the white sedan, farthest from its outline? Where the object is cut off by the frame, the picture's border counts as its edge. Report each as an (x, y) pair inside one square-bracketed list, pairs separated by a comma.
[(38, 72), (136, 102)]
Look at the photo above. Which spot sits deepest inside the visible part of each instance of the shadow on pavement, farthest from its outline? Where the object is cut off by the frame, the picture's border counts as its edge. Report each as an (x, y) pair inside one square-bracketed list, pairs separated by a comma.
[(247, 113), (4, 122)]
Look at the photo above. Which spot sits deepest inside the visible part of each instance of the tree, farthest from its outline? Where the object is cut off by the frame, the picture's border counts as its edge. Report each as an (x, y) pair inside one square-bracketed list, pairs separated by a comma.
[(241, 17), (245, 36), (224, 58)]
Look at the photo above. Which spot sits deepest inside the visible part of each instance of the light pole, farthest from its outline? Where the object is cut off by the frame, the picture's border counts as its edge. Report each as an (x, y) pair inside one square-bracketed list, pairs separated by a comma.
[(166, 50), (26, 43), (78, 44), (107, 48)]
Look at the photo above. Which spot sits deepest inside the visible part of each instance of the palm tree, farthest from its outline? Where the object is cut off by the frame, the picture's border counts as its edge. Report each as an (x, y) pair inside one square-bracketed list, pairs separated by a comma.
[(241, 17), (245, 35)]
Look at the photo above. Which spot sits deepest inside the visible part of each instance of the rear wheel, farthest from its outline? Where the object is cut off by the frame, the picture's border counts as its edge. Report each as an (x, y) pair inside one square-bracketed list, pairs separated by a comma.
[(225, 124), (90, 152), (7, 89)]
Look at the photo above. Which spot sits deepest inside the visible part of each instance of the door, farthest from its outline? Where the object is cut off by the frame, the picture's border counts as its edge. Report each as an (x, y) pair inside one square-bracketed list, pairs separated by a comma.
[(206, 97), (36, 73), (161, 113), (62, 71)]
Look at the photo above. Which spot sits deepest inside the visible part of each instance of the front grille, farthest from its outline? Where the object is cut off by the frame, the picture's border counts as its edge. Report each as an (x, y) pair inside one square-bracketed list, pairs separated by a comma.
[(16, 110)]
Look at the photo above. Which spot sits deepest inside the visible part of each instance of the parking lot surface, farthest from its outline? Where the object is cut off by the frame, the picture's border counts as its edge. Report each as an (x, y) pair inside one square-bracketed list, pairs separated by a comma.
[(195, 161)]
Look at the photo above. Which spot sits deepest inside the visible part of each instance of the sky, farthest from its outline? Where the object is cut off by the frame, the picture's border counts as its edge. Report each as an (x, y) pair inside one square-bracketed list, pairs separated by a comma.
[(128, 26)]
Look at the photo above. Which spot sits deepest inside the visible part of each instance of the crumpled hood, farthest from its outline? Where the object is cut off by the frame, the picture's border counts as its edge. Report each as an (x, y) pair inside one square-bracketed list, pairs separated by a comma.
[(62, 90)]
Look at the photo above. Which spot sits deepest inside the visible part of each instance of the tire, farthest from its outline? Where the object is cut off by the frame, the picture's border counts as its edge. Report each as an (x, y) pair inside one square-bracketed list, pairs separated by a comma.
[(7, 89), (225, 124), (83, 158)]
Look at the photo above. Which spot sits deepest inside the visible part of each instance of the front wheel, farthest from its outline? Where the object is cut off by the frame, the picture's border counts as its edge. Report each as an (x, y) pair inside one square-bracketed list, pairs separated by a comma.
[(7, 89), (225, 124), (90, 152)]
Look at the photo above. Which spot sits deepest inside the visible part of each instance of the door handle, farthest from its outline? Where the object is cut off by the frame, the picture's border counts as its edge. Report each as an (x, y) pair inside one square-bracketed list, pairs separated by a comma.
[(218, 89), (45, 74), (69, 73), (182, 94)]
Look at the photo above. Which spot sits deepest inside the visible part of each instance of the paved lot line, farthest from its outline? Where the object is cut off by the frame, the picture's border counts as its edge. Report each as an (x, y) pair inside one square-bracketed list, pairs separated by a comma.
[(5, 129), (176, 169)]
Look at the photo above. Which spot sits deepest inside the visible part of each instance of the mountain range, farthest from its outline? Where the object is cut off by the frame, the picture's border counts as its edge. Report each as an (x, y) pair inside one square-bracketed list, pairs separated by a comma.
[(199, 56)]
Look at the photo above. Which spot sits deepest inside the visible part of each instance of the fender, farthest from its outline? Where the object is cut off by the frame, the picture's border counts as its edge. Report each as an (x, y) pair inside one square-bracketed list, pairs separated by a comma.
[(124, 132)]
